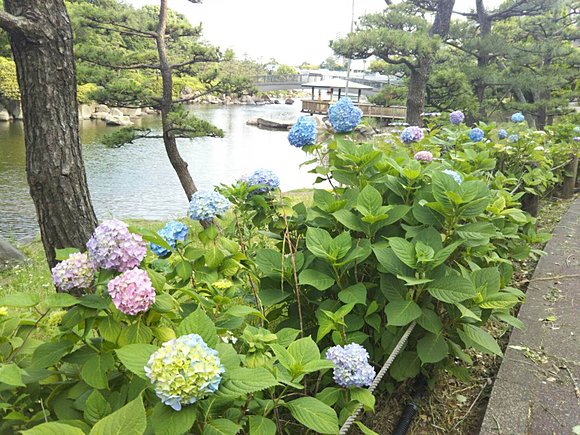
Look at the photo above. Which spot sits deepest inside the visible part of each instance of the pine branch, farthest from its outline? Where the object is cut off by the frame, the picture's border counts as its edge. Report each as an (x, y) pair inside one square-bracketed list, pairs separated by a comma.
[(122, 67), (119, 28), (15, 24), (201, 59)]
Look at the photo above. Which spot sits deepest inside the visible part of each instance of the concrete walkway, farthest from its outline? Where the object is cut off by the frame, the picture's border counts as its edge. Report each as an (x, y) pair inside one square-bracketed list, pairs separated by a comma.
[(537, 390)]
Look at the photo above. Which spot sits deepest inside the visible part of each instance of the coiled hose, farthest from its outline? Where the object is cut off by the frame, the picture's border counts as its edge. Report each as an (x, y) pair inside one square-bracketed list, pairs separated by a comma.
[(411, 409)]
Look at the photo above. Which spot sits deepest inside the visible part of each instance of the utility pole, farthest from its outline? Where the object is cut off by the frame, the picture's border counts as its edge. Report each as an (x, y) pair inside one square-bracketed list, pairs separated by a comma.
[(349, 60)]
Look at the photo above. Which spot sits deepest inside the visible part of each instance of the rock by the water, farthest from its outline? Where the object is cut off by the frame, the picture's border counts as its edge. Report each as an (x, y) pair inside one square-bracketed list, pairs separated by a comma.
[(289, 101), (15, 109), (132, 113), (273, 125), (4, 115), (122, 121), (102, 108), (150, 111), (252, 121), (85, 111), (9, 255), (116, 112), (276, 101)]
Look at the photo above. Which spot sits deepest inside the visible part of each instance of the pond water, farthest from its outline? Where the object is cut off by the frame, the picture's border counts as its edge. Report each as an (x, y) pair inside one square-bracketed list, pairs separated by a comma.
[(137, 180)]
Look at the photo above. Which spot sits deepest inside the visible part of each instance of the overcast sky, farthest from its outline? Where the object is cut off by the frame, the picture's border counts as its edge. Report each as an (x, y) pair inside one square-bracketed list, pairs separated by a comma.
[(290, 31)]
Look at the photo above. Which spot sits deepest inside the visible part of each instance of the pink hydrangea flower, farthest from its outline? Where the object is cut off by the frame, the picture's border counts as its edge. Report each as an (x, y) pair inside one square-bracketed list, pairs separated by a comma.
[(132, 291), (424, 156)]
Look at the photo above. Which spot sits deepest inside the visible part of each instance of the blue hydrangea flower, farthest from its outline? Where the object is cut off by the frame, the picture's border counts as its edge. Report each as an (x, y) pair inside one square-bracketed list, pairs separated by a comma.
[(456, 117), (205, 206), (184, 370), (502, 134), (171, 233), (412, 134), (518, 117), (576, 138), (344, 115), (352, 368), (458, 179), (513, 138), (264, 177), (476, 134), (303, 132)]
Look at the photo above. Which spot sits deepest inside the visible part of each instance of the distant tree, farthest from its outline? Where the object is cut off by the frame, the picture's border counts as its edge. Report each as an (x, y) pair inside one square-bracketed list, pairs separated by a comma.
[(310, 66), (41, 41), (285, 70), (333, 64), (402, 35)]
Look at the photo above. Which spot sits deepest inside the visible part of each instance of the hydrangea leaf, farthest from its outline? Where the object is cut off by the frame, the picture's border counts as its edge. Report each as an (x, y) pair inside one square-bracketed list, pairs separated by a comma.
[(314, 414), (261, 425), (53, 428), (165, 421), (245, 381), (129, 420), (135, 356)]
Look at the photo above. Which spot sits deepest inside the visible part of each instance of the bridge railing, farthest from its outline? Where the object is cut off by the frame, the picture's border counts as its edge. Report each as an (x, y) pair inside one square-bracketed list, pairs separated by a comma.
[(283, 78)]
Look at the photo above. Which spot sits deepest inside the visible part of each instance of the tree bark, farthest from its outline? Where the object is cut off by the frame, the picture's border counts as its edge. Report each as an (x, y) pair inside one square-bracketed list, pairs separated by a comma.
[(179, 165), (43, 53), (417, 90)]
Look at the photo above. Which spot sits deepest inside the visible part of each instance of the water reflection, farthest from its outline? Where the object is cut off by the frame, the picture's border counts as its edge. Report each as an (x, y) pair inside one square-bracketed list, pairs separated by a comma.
[(137, 180)]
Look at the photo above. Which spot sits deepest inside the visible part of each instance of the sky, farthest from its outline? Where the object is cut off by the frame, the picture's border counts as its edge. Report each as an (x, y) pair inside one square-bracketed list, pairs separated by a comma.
[(290, 31)]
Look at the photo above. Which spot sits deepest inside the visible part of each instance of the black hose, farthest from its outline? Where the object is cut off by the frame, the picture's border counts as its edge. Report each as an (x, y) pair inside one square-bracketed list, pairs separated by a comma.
[(411, 409)]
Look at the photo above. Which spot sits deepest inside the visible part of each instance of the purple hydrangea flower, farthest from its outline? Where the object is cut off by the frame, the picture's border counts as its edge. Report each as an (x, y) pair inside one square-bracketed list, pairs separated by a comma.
[(412, 134), (352, 368), (502, 134), (303, 132), (171, 233), (132, 291), (344, 115), (204, 206), (456, 117), (264, 177), (513, 138), (518, 117), (76, 272), (576, 138), (112, 246), (424, 156), (458, 179), (476, 134)]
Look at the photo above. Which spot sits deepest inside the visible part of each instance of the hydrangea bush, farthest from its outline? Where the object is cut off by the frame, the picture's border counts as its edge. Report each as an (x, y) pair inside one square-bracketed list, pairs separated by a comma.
[(303, 132), (281, 310), (344, 116)]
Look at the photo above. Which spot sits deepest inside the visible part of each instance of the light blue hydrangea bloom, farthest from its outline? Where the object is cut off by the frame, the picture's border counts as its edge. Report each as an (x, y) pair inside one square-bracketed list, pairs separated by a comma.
[(502, 134), (344, 115), (576, 138), (184, 370), (513, 138), (476, 134), (411, 134), (456, 117), (454, 175), (171, 233), (264, 177), (303, 132), (205, 206), (352, 368), (518, 117)]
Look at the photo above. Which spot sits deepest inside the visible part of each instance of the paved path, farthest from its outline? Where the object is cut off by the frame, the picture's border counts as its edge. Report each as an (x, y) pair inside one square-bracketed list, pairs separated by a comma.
[(537, 390)]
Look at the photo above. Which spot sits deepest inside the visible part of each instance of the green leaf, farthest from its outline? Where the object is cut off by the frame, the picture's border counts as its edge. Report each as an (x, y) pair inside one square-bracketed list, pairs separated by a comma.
[(406, 365), (330, 395), (243, 311), (164, 303), (199, 323), (228, 356), (401, 313), (467, 313), (53, 428), (451, 289), (109, 329), (430, 321), (314, 414), (135, 356), (151, 236), (157, 280), (11, 374), (318, 280), (213, 256), (432, 348), (318, 242), (340, 246), (166, 421), (20, 300), (510, 320), (64, 253), (364, 397), (245, 380), (365, 430), (389, 261), (184, 270), (304, 350), (350, 220), (499, 301), (369, 201), (261, 425), (60, 300), (488, 279), (269, 262), (284, 357), (443, 254), (136, 333), (404, 250), (355, 294), (96, 407), (94, 371), (481, 340), (221, 426), (128, 420), (48, 354)]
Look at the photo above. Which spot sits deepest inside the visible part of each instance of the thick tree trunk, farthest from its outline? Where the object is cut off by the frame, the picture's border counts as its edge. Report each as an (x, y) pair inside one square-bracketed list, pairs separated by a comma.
[(169, 141), (417, 90), (483, 58), (43, 52)]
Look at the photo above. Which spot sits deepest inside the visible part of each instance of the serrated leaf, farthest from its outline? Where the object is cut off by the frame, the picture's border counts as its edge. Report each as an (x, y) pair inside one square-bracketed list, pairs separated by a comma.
[(53, 428), (166, 421), (20, 300), (364, 397), (48, 354), (481, 340), (221, 426), (355, 294), (404, 250), (499, 301), (451, 289), (94, 371), (430, 321), (60, 300), (261, 425), (389, 261), (432, 348), (11, 374), (467, 313), (318, 280), (314, 414), (128, 420), (138, 332), (401, 313), (199, 323), (109, 328), (135, 356), (96, 407), (318, 242), (365, 430), (245, 380)]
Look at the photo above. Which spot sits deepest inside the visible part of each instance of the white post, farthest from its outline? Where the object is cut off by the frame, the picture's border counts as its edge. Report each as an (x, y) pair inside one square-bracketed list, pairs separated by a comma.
[(348, 63)]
